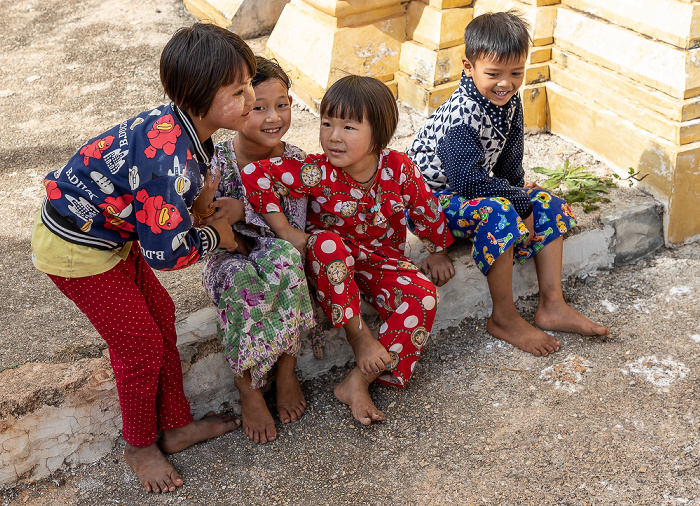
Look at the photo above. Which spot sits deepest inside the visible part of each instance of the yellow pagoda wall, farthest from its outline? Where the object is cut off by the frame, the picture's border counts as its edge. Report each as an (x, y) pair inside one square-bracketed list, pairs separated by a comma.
[(625, 84), (621, 78)]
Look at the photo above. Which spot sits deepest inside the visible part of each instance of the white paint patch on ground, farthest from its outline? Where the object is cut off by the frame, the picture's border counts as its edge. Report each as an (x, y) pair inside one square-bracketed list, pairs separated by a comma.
[(567, 374), (608, 305), (679, 290), (639, 306), (660, 373), (695, 337)]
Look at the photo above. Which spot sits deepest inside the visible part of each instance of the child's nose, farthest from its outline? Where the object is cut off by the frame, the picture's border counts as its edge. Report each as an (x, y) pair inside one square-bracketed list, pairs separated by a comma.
[(335, 134)]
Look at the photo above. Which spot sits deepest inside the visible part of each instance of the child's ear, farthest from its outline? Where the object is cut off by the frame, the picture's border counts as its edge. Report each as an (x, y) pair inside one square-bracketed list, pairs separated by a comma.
[(468, 69), (289, 97)]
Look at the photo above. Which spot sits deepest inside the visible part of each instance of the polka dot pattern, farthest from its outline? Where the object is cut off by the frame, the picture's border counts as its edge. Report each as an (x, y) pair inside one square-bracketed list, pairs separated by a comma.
[(135, 316), (403, 296)]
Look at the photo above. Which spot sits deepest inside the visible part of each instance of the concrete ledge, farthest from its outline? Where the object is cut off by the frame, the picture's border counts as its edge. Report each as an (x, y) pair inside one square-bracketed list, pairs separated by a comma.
[(56, 416)]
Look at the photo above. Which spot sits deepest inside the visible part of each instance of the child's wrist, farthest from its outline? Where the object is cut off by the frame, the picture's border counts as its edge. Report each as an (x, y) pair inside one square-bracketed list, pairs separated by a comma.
[(201, 216)]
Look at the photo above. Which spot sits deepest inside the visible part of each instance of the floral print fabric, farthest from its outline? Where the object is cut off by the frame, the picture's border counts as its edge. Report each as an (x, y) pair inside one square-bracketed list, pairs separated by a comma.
[(263, 299)]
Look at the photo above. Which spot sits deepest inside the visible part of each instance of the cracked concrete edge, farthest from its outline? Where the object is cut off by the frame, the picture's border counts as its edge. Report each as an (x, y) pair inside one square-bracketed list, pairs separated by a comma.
[(83, 425)]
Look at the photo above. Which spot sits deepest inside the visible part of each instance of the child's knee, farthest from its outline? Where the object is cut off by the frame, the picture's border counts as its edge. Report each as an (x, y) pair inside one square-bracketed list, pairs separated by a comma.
[(326, 244)]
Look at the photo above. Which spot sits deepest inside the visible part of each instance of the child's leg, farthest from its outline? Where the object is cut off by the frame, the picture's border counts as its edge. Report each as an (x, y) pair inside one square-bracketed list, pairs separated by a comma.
[(407, 302), (291, 404), (114, 304), (263, 306), (258, 423), (553, 313), (257, 420), (553, 218), (505, 322), (331, 268)]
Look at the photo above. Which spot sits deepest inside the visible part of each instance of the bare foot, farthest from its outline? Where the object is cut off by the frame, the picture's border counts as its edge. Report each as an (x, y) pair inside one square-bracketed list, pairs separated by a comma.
[(370, 355), (290, 399), (353, 391), (210, 426), (154, 472), (562, 317), (257, 420), (516, 331)]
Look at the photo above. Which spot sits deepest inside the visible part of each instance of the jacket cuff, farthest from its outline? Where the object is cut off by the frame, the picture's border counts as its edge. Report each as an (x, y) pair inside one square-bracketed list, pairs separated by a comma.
[(210, 238)]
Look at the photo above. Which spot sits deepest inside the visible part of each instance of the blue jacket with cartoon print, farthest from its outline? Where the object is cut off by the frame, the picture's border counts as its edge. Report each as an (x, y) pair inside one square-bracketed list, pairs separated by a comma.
[(136, 181)]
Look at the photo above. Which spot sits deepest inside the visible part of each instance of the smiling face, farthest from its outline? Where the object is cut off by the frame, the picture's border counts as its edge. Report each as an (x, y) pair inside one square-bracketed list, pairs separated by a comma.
[(496, 81), (347, 145), (271, 115), (230, 108)]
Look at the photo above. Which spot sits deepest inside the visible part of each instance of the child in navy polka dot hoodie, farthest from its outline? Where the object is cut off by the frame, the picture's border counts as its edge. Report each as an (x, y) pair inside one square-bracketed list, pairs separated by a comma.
[(470, 152)]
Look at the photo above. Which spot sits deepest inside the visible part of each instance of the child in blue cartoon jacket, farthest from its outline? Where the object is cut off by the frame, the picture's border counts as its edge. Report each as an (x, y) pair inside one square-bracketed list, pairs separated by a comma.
[(121, 206)]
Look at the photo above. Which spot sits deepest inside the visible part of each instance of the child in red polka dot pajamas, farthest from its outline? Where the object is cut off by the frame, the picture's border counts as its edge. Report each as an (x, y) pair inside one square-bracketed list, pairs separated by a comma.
[(119, 207), (357, 193)]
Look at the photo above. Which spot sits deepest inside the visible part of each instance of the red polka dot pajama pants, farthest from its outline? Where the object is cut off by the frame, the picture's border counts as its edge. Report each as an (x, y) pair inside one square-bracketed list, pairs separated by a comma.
[(405, 298), (136, 317)]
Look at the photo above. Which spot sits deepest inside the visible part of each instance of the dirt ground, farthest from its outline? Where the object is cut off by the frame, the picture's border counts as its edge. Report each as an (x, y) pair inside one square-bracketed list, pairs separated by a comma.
[(602, 422)]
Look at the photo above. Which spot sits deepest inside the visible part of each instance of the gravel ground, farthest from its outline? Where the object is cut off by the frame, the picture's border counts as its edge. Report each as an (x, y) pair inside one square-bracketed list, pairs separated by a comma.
[(602, 421), (610, 421)]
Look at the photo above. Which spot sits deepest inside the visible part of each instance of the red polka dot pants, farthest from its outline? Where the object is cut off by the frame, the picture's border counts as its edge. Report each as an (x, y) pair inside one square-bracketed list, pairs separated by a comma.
[(136, 317), (405, 298)]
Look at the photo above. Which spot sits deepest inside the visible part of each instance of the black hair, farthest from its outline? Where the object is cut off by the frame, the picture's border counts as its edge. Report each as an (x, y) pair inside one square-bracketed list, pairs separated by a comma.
[(361, 98), (198, 60), (270, 69), (501, 36)]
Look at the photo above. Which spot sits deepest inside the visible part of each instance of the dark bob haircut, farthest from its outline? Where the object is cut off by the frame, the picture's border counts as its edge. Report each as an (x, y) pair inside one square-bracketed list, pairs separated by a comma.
[(200, 59), (270, 69), (366, 99), (501, 36)]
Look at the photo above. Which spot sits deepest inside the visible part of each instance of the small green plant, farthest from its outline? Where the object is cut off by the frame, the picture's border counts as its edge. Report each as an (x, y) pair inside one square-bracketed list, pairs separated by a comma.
[(632, 177), (582, 187)]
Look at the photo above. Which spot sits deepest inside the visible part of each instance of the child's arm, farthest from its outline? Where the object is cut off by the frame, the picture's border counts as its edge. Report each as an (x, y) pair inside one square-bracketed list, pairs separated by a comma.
[(260, 180), (201, 208), (509, 165), (424, 210), (281, 227), (439, 267)]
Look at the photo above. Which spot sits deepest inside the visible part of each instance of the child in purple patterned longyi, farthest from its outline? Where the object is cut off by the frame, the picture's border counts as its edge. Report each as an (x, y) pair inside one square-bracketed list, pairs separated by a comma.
[(261, 291)]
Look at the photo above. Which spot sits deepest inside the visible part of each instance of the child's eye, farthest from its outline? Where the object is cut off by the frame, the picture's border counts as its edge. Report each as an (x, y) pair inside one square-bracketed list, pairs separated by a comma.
[(325, 124), (492, 75), (348, 127), (258, 108)]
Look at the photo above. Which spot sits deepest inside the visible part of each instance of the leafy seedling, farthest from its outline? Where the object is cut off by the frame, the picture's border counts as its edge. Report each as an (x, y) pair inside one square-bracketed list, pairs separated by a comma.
[(581, 187)]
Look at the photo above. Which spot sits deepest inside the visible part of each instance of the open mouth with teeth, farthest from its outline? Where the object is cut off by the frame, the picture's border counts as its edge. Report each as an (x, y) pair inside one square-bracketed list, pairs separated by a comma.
[(271, 131)]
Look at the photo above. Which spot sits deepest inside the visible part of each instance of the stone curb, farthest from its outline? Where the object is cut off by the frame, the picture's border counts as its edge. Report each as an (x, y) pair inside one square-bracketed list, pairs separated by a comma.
[(57, 416)]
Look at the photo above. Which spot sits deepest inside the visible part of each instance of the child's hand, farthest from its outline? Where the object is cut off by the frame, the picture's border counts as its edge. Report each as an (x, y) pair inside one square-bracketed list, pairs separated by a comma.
[(244, 247), (211, 180), (229, 208), (439, 267), (531, 185), (530, 224), (227, 240), (297, 238)]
